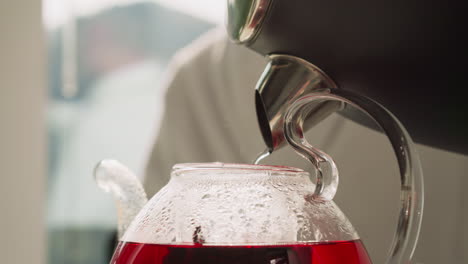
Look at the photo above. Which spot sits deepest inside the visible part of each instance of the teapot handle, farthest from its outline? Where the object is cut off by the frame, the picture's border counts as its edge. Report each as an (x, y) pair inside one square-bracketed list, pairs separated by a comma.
[(412, 190)]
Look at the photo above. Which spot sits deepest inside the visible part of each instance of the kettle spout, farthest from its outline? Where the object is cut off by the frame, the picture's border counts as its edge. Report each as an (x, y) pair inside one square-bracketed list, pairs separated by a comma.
[(285, 79), (111, 176)]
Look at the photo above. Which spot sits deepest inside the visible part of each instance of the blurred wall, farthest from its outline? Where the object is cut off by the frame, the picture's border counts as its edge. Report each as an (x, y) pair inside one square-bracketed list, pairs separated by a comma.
[(22, 132)]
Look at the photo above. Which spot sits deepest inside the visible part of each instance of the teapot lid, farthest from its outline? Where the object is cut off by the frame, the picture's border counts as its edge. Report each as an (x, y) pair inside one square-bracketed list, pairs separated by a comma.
[(185, 167)]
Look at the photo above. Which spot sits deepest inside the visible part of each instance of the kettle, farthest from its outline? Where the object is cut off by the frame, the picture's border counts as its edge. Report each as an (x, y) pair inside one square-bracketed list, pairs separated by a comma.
[(406, 55)]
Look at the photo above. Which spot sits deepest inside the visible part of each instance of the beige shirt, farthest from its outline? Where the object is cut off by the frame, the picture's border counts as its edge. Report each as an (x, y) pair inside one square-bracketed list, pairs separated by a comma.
[(210, 116)]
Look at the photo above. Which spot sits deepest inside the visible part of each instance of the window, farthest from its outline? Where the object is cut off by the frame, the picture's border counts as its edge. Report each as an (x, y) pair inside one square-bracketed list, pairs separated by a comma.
[(106, 64)]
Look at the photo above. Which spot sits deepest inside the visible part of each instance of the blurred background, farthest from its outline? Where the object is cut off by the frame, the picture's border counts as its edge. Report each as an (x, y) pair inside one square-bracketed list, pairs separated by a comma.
[(95, 92), (82, 80)]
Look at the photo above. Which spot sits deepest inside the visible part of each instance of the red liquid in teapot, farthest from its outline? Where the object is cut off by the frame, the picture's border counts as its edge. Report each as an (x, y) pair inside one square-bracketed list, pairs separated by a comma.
[(340, 252)]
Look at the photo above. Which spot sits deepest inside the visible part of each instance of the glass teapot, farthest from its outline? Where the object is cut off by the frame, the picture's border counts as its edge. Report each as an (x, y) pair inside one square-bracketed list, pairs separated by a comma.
[(243, 213)]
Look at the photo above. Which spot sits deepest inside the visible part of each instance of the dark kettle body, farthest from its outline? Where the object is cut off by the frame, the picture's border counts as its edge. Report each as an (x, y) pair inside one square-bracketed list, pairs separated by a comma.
[(406, 55)]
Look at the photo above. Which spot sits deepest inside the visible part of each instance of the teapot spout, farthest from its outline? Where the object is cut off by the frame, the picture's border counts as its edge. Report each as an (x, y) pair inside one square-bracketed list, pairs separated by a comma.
[(129, 195)]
